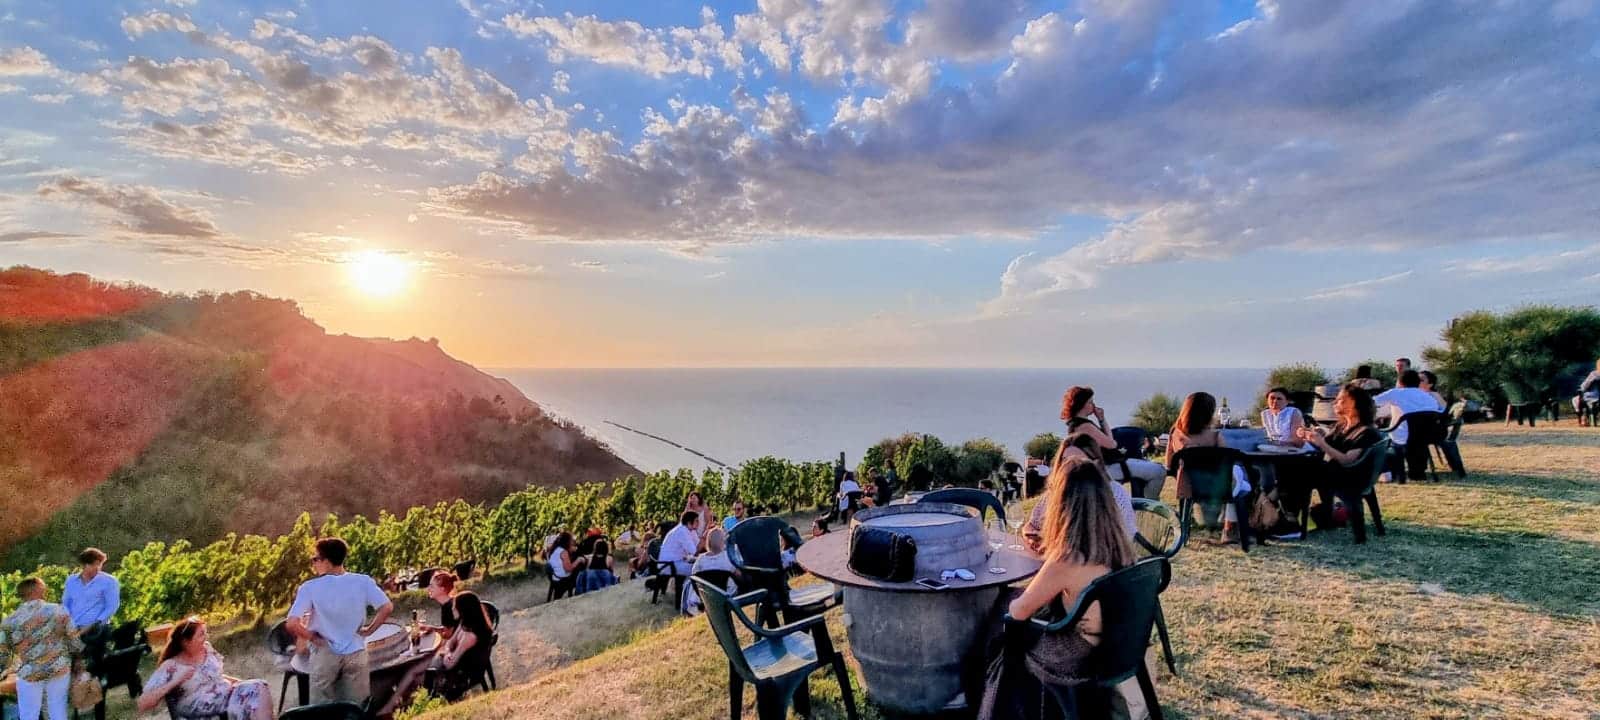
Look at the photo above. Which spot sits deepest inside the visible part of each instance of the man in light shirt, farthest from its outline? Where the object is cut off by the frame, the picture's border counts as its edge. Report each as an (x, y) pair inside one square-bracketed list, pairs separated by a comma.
[(92, 597), (682, 543), (1409, 397), (337, 602)]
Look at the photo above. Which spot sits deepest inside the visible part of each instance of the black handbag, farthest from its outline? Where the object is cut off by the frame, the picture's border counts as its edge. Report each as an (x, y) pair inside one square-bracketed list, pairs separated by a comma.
[(883, 554)]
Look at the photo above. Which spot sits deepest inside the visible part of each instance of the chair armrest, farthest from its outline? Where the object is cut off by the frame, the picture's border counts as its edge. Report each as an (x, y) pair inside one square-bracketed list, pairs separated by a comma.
[(804, 624)]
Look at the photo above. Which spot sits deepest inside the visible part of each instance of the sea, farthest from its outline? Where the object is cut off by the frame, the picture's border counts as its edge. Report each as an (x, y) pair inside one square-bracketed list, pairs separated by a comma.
[(696, 418)]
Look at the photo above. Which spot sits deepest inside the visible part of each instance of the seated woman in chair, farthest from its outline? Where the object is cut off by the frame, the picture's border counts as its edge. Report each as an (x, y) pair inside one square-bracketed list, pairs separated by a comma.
[(1082, 539), (1086, 430), (457, 663), (190, 677), (1355, 432), (1195, 429), (1282, 420)]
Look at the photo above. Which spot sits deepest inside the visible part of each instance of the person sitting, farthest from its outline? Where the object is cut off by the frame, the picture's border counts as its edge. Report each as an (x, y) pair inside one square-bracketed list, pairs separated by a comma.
[(1196, 429), (1588, 395), (640, 562), (849, 495), (736, 517), (715, 558), (563, 564), (1086, 422), (1356, 431), (1407, 398), (1082, 539), (597, 569), (457, 663), (1430, 384), (682, 544), (1365, 380), (819, 527), (1282, 420), (442, 589), (189, 678), (1032, 531)]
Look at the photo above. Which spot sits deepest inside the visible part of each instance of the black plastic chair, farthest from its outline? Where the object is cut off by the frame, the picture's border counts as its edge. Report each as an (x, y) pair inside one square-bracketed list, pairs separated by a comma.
[(781, 660), (464, 569), (1424, 429), (486, 680), (970, 497), (755, 550), (1160, 534), (1305, 401), (558, 588), (1448, 451), (1130, 440), (425, 577), (1128, 606), (1360, 485), (117, 664), (1210, 474), (281, 645), (337, 710), (1522, 402), (662, 576)]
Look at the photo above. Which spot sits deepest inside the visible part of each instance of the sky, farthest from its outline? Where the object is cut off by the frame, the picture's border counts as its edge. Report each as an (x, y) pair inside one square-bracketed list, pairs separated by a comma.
[(937, 183)]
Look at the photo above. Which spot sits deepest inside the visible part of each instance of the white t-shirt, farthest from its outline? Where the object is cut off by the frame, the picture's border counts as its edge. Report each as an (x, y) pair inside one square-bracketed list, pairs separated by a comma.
[(845, 488), (338, 606), (679, 546), (1404, 400), (558, 563)]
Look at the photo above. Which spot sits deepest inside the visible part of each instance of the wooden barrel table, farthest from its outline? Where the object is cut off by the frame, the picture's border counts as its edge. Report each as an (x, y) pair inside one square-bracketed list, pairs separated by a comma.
[(913, 643)]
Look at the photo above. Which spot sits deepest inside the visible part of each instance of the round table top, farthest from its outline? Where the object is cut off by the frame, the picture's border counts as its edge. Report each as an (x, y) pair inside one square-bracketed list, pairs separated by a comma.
[(827, 557), (301, 662)]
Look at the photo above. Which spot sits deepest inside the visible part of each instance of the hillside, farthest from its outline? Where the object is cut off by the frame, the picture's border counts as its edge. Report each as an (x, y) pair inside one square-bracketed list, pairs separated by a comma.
[(129, 415)]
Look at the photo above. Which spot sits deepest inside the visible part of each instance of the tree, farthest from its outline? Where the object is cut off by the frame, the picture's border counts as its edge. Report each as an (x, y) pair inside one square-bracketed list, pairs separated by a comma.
[(1043, 446), (1156, 414), (1532, 345), (978, 459), (1296, 377)]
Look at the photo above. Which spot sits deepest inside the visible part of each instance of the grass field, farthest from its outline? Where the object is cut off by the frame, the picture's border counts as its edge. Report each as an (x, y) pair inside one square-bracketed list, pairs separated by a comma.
[(1480, 602)]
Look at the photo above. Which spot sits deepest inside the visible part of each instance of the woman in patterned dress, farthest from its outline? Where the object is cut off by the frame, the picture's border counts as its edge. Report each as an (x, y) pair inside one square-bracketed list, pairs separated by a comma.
[(190, 677)]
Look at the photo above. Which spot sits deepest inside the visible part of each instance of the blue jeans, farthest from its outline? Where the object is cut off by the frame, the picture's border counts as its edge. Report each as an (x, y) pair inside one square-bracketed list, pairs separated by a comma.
[(594, 580)]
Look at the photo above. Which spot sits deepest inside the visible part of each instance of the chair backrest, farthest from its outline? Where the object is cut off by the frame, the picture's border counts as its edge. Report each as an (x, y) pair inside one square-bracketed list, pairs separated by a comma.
[(1424, 426), (128, 635), (1127, 600), (1304, 400), (654, 549), (719, 612), (1160, 532), (1130, 440), (1518, 392), (425, 577), (754, 542), (1454, 432), (338, 710), (279, 641), (120, 664), (719, 578), (493, 611), (1371, 465), (465, 568), (1209, 471), (970, 497)]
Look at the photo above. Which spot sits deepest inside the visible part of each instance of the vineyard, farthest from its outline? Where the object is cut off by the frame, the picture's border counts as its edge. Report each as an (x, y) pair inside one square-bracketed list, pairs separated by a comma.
[(256, 574)]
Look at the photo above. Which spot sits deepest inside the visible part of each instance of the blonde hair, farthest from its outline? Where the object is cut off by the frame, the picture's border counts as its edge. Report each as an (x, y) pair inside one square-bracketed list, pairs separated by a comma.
[(1081, 523), (716, 540)]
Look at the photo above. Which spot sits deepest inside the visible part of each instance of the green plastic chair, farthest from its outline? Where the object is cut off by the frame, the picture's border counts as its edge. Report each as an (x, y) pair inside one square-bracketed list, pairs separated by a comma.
[(1522, 402), (781, 660), (1159, 534), (337, 710), (755, 549), (1368, 467), (1128, 599), (1210, 474)]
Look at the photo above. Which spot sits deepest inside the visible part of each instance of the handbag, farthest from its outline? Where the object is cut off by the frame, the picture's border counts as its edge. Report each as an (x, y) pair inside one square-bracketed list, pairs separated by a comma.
[(85, 692), (1266, 514), (883, 554)]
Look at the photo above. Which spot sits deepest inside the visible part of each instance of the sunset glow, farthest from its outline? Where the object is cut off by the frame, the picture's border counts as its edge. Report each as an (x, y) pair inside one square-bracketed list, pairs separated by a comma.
[(378, 274)]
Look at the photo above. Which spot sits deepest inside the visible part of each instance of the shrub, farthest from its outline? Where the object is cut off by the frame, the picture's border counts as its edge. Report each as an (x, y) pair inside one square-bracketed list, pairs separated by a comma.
[(1296, 377), (1043, 446), (1157, 414), (978, 459), (1382, 371), (1532, 345)]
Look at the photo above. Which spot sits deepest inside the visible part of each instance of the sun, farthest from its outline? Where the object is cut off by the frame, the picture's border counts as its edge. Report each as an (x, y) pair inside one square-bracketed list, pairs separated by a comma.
[(378, 274)]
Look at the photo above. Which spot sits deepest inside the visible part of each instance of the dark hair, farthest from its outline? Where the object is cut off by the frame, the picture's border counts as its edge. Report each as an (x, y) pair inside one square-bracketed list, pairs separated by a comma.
[(1195, 417), (563, 541), (1429, 376), (1410, 378), (688, 518), (182, 633), (1075, 400), (333, 550), (474, 617), (1366, 412), (90, 556), (29, 585), (1363, 372), (1281, 390), (701, 500), (446, 580), (602, 548), (1405, 360)]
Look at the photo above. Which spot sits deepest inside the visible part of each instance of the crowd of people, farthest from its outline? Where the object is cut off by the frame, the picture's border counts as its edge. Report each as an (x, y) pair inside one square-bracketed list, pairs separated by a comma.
[(48, 640)]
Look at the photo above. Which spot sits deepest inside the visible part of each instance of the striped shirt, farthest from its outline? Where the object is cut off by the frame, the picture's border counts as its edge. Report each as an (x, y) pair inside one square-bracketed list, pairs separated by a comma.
[(39, 636)]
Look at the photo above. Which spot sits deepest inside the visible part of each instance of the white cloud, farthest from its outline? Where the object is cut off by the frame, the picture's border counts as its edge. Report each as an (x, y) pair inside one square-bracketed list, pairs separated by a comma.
[(591, 265), (625, 43), (50, 98), (135, 208), (1526, 264), (1358, 289)]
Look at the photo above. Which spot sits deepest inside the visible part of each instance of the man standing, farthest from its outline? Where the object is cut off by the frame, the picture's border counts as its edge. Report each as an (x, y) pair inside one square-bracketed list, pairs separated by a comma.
[(92, 597), (40, 637), (1401, 365), (337, 602), (1409, 397), (681, 544), (1588, 395)]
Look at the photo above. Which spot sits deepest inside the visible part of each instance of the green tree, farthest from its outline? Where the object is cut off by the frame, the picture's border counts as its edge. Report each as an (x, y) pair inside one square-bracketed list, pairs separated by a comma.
[(1043, 446), (1295, 377), (1531, 345), (978, 459), (1156, 414)]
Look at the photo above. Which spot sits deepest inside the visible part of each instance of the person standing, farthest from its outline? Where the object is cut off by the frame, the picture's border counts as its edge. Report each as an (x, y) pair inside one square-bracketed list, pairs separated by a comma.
[(40, 637), (92, 597), (337, 602), (1401, 365)]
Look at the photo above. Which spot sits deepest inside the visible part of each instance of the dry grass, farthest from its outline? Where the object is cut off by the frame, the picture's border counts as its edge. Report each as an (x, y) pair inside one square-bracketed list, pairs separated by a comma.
[(1479, 603)]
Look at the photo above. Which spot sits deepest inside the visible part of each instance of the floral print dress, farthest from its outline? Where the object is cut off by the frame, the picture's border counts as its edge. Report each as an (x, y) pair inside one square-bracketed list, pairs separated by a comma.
[(207, 692)]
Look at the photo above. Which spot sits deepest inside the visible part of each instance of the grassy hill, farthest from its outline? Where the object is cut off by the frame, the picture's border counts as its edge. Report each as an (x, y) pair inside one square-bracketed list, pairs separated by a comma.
[(1478, 603), (129, 415)]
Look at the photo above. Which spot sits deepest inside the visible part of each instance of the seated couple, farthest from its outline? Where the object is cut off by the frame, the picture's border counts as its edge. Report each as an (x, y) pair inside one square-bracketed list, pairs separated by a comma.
[(460, 659), (592, 570)]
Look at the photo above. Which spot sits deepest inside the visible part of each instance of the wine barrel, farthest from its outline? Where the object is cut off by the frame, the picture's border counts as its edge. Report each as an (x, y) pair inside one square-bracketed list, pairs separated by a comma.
[(911, 645)]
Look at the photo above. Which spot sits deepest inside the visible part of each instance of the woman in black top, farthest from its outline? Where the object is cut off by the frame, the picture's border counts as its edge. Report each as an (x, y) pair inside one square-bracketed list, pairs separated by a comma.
[(457, 669), (1342, 447)]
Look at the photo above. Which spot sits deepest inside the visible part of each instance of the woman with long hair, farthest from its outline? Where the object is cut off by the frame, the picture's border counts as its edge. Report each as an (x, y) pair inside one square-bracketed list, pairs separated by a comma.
[(1196, 428), (1341, 447), (1088, 432), (190, 677), (1067, 454), (1083, 539), (457, 662)]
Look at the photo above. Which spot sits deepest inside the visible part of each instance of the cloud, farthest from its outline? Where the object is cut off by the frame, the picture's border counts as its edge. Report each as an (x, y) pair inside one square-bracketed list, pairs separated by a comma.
[(1358, 289), (24, 61), (137, 209), (1526, 264), (24, 236), (591, 265), (625, 43)]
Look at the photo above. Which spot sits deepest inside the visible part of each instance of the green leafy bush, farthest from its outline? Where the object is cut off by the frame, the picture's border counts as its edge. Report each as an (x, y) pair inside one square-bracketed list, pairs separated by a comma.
[(1532, 346), (1296, 377), (1156, 414), (978, 459), (1043, 446), (1382, 371)]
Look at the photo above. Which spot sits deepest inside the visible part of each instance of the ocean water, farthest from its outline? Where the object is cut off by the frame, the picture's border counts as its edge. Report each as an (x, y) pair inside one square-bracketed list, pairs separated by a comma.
[(733, 415)]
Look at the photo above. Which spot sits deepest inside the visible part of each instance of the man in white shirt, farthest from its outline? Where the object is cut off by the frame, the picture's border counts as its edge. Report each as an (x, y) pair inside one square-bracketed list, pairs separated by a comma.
[(1409, 397), (681, 544), (337, 602), (847, 486)]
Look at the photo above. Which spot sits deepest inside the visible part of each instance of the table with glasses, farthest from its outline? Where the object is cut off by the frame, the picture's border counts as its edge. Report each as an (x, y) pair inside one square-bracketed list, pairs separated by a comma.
[(384, 674), (918, 647)]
